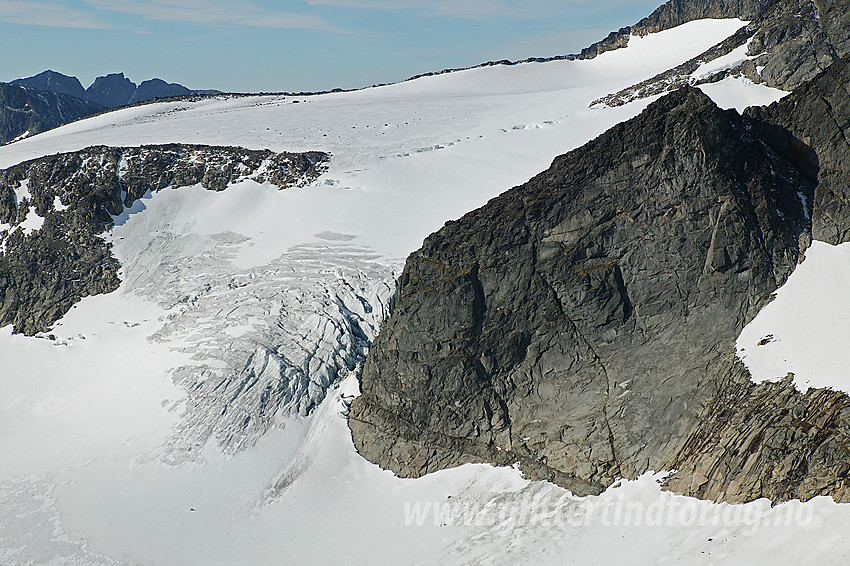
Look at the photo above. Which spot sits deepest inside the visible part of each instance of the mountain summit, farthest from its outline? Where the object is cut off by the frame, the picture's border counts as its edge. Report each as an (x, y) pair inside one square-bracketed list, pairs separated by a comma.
[(53, 82), (112, 90)]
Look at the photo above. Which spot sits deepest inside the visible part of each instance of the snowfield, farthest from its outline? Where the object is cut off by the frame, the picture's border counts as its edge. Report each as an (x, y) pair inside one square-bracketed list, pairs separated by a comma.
[(804, 329), (196, 416)]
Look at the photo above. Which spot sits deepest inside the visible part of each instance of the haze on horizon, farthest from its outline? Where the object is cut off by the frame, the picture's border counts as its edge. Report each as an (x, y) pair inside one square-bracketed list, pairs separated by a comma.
[(260, 45)]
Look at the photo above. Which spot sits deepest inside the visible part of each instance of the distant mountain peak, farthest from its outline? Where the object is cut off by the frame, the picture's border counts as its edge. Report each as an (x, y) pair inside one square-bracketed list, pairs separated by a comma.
[(54, 82), (111, 90), (157, 88)]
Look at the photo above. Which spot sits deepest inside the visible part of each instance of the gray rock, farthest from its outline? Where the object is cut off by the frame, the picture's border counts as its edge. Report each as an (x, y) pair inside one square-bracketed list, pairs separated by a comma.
[(43, 273), (818, 113), (583, 324), (26, 111), (791, 41)]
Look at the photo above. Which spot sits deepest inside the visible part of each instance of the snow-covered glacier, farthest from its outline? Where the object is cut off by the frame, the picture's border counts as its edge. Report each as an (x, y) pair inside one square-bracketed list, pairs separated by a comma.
[(197, 414)]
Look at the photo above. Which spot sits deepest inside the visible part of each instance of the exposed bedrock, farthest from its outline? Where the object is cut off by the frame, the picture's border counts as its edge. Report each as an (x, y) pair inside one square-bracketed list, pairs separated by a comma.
[(788, 43), (53, 209), (583, 324), (818, 113), (28, 111)]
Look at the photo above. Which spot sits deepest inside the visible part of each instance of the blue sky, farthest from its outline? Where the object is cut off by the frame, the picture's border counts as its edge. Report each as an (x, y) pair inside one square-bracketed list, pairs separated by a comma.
[(259, 45)]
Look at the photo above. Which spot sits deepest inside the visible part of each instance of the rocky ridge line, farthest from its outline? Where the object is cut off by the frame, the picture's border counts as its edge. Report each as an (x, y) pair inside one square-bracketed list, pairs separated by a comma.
[(27, 111), (53, 210), (789, 43)]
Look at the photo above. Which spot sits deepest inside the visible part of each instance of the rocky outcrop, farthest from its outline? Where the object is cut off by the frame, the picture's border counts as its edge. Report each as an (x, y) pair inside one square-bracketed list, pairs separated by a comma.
[(788, 43), (796, 40), (766, 440), (27, 111), (583, 324), (53, 209), (677, 12), (53, 82), (818, 113), (679, 76)]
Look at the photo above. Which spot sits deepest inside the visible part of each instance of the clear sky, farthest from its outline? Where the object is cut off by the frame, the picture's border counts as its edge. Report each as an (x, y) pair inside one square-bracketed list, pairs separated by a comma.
[(290, 45)]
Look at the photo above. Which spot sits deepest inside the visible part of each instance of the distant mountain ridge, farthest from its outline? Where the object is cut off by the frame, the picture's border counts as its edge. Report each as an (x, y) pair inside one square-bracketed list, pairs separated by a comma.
[(111, 90), (53, 82), (26, 111)]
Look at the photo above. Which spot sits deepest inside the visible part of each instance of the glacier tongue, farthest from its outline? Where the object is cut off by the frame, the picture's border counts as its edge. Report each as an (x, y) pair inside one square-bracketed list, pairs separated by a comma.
[(266, 341)]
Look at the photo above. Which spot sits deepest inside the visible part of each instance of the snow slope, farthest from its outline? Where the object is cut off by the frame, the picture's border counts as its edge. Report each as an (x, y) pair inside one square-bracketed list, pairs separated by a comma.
[(166, 423), (804, 329)]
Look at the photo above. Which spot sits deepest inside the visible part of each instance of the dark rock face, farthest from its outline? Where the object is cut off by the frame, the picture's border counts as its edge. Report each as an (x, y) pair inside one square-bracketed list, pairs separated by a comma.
[(583, 324), (818, 113), (27, 111), (112, 91), (44, 271), (53, 82), (790, 42), (157, 88), (677, 12), (797, 39)]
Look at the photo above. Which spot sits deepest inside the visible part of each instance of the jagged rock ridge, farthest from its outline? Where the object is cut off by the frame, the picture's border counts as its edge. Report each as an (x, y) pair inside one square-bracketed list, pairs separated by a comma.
[(53, 209), (157, 88), (788, 42), (583, 324), (26, 111), (114, 90), (110, 91)]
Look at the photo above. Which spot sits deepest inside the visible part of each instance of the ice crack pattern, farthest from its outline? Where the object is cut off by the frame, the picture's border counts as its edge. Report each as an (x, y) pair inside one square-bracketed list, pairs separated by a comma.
[(267, 341)]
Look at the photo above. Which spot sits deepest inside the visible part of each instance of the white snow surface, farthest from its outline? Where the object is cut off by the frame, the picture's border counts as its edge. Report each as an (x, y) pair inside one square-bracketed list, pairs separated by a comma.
[(22, 191), (57, 204), (729, 61), (804, 329), (197, 414), (741, 92), (32, 223), (736, 92)]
